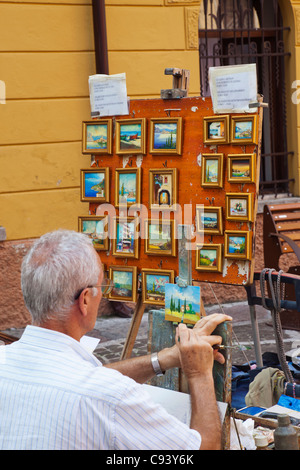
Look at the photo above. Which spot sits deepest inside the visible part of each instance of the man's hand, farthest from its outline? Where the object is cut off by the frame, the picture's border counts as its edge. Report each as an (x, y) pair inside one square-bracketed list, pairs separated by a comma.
[(196, 353), (207, 325)]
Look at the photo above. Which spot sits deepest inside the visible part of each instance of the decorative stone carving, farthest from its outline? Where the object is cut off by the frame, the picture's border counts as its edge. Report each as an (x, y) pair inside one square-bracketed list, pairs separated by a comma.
[(191, 27)]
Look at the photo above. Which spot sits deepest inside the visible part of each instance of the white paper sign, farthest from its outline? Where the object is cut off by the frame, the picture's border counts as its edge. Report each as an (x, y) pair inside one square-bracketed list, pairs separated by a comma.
[(233, 88), (108, 95)]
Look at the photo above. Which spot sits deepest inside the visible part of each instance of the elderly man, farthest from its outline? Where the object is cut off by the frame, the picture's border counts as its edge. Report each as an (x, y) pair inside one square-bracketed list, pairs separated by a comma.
[(54, 394)]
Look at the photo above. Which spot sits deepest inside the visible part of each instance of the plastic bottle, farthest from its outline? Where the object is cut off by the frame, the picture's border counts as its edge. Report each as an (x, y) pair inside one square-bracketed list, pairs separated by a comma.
[(285, 436)]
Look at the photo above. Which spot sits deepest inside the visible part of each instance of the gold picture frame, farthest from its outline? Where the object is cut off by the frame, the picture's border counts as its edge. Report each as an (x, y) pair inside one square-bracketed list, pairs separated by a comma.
[(97, 137), (166, 136), (216, 129), (94, 185), (209, 220), (237, 244), (212, 170), (239, 207), (160, 237), (241, 168), (153, 282), (127, 187), (209, 257), (94, 227), (243, 129), (125, 242), (130, 136), (163, 188), (125, 283)]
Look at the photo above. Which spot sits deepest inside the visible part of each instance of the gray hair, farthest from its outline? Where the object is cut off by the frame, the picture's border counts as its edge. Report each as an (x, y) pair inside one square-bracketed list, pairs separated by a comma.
[(58, 265)]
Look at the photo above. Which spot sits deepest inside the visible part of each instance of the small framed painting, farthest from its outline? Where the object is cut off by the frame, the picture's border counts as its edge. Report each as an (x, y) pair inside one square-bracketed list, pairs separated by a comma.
[(243, 130), (237, 244), (127, 187), (160, 237), (97, 137), (209, 257), (239, 207), (131, 136), (162, 188), (94, 185), (166, 136), (182, 304), (212, 170), (125, 237), (153, 285), (125, 283), (216, 130), (96, 228), (209, 220), (241, 168)]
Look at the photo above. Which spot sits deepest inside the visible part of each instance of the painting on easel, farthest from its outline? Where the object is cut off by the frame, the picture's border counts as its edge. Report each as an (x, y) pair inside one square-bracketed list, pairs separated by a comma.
[(182, 303)]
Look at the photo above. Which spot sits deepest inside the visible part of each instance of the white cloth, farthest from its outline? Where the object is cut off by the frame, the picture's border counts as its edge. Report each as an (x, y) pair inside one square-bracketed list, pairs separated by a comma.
[(54, 394)]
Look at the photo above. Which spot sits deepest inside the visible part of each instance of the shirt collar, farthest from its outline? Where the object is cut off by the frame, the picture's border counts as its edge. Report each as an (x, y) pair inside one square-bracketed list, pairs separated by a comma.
[(56, 341)]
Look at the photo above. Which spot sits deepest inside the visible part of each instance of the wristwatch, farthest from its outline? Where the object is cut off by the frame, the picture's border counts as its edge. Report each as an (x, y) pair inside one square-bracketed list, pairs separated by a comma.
[(156, 365)]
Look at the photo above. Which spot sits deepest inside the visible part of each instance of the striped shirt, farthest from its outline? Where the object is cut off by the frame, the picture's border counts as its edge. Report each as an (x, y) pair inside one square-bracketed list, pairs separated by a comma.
[(54, 394)]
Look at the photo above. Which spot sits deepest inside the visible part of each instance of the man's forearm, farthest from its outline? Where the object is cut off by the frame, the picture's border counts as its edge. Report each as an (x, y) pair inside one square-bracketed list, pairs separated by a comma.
[(204, 412), (140, 368)]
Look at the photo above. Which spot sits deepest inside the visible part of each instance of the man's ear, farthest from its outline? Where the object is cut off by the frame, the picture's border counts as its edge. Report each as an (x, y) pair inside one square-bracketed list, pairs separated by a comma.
[(83, 301)]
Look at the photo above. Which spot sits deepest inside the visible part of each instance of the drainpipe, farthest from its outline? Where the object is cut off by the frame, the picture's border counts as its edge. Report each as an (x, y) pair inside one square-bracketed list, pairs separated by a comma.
[(101, 55)]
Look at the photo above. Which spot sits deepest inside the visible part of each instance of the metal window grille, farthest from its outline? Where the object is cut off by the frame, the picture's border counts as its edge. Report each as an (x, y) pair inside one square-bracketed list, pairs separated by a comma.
[(233, 32)]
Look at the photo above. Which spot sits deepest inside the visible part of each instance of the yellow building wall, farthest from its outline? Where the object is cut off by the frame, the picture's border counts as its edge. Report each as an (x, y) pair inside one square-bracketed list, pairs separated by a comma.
[(46, 57)]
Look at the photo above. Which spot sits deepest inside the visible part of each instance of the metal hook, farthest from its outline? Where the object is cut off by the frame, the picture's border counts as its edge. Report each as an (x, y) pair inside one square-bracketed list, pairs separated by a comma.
[(210, 201)]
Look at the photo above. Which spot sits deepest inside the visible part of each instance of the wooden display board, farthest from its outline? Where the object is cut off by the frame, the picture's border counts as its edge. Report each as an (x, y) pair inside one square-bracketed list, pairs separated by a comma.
[(187, 166)]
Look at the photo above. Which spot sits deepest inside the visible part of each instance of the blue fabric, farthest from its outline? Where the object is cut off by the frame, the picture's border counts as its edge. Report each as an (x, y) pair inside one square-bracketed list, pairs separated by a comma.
[(289, 402)]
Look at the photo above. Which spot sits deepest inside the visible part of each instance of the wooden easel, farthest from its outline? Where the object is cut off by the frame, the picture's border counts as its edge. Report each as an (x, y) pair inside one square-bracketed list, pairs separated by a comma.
[(162, 335), (184, 279)]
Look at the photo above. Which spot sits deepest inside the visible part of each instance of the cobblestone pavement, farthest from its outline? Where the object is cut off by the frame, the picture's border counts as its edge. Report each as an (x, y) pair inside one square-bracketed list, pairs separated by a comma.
[(112, 332)]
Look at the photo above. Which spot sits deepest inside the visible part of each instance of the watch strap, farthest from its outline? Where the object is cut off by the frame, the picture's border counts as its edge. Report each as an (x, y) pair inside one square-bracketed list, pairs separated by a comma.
[(156, 365)]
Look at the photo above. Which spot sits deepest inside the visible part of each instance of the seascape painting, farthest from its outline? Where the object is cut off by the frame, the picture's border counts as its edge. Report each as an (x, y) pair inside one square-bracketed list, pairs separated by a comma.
[(165, 136), (216, 130), (182, 303), (94, 185), (131, 136), (209, 221), (96, 231), (240, 168), (95, 228), (96, 137), (237, 245), (243, 130)]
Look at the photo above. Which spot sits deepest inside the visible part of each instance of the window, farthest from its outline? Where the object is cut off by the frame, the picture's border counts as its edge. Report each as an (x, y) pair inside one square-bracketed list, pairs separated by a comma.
[(233, 32)]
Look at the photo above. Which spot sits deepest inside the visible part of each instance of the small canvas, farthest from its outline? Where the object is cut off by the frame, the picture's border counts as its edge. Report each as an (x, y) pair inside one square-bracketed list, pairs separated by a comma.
[(182, 303)]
